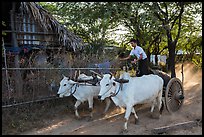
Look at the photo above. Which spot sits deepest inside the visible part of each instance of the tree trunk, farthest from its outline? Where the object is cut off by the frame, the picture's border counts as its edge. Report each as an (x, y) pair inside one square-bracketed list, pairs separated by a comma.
[(148, 54), (17, 74), (156, 60), (172, 58), (166, 24)]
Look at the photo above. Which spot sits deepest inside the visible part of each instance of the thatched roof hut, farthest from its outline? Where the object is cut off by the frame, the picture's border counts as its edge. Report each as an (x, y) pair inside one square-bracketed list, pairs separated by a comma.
[(34, 25)]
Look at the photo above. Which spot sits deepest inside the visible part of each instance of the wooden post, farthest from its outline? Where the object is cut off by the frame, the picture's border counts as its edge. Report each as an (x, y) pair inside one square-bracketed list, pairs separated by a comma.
[(5, 62), (17, 75), (182, 73)]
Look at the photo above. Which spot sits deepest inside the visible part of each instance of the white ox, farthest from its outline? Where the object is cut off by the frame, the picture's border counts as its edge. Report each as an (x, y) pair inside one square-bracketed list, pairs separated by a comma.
[(81, 91), (139, 90)]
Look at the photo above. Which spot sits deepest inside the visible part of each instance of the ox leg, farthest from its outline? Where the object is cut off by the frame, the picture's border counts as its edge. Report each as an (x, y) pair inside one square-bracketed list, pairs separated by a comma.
[(127, 115), (90, 101), (76, 108), (152, 115), (136, 117), (160, 103), (108, 102), (152, 107), (161, 108)]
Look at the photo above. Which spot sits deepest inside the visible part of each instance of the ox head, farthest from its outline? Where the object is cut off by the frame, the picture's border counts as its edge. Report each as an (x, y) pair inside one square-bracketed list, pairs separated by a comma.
[(107, 86), (66, 85)]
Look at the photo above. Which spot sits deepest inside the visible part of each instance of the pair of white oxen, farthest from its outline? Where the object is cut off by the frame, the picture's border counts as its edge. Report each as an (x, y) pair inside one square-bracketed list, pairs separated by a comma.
[(135, 90)]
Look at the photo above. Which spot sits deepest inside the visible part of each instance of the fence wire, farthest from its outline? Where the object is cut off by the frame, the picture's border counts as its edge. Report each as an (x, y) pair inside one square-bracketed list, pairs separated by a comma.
[(39, 84)]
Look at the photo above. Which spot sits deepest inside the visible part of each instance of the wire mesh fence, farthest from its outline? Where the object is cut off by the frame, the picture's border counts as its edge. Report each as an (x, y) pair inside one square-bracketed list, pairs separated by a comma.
[(38, 84)]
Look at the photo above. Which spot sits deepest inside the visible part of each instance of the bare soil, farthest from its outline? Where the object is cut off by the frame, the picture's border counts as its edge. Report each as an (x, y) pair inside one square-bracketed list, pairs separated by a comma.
[(112, 122)]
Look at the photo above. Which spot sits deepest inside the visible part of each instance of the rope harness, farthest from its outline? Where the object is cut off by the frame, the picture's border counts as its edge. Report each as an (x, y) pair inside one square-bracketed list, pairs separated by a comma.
[(77, 85), (115, 93)]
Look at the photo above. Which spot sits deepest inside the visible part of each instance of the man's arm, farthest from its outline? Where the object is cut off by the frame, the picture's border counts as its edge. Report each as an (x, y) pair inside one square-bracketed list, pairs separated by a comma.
[(135, 60), (125, 58), (140, 57)]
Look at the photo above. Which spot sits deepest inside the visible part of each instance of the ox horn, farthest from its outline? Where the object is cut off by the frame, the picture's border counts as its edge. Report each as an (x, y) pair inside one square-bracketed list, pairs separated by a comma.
[(101, 75), (63, 75), (111, 75), (66, 77)]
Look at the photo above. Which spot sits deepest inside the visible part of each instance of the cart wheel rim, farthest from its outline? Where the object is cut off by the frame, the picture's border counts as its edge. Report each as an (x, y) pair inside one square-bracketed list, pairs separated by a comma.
[(174, 95)]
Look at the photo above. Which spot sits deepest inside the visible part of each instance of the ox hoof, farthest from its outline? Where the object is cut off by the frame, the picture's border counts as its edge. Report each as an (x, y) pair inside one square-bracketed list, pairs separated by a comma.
[(78, 118), (123, 131), (159, 116), (90, 119), (103, 114), (155, 116), (137, 122)]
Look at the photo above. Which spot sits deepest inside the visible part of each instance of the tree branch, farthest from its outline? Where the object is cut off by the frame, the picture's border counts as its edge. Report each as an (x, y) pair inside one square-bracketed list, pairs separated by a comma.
[(180, 15), (126, 24), (164, 13), (163, 49)]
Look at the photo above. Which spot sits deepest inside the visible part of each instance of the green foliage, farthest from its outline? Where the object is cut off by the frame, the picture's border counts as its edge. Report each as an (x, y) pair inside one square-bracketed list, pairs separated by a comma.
[(94, 22), (197, 60), (3, 24)]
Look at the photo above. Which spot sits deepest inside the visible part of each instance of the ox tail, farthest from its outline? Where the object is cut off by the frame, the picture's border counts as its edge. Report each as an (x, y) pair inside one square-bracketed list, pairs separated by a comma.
[(162, 107), (161, 102)]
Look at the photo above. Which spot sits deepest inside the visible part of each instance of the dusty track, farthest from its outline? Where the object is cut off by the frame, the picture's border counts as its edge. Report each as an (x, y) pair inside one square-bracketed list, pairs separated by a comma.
[(112, 123)]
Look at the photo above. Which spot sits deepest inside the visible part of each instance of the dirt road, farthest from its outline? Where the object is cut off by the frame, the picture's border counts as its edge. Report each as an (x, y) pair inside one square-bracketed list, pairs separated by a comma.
[(112, 123)]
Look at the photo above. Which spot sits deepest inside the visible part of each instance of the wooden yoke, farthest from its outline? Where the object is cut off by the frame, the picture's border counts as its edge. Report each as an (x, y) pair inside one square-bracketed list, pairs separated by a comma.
[(121, 80)]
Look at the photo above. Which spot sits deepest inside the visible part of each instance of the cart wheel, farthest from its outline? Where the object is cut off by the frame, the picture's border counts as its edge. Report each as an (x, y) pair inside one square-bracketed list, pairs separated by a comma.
[(174, 95)]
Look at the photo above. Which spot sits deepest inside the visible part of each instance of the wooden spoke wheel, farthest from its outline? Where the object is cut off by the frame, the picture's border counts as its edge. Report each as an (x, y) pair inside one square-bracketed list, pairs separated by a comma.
[(174, 95)]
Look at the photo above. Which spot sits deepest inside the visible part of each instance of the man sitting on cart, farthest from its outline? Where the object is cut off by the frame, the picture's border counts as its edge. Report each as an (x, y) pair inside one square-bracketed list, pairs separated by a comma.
[(141, 58)]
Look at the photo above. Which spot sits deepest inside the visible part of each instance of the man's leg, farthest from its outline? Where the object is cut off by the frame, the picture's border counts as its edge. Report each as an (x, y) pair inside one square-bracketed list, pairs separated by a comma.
[(145, 69), (140, 73)]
